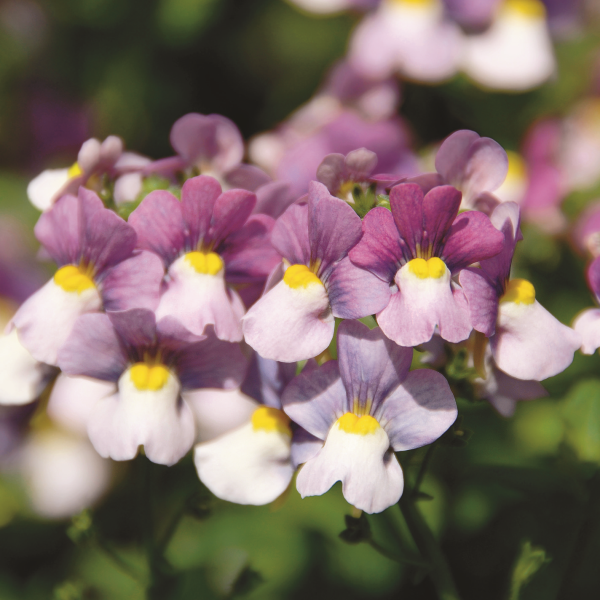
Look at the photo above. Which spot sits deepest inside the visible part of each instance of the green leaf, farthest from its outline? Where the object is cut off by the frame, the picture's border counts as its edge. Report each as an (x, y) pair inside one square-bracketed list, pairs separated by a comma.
[(529, 562)]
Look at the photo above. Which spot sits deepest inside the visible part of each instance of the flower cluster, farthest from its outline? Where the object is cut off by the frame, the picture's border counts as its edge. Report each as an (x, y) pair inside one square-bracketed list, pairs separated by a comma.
[(207, 318)]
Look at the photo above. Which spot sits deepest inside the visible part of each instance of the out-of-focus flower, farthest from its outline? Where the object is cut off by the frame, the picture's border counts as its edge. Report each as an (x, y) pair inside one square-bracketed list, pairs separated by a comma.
[(208, 242), (333, 6), (94, 160), (586, 231), (363, 407), (420, 245), (150, 363), (515, 53), (250, 463), (294, 320), (410, 37), (526, 341), (588, 322), (210, 145)]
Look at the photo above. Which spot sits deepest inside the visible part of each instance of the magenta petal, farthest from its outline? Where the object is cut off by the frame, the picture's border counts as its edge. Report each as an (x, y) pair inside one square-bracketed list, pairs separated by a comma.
[(133, 283), (482, 296), (58, 231), (198, 197), (440, 207), (406, 201), (231, 211), (194, 136), (333, 227), (158, 222), (380, 249), (331, 172), (106, 239), (211, 363), (246, 177), (136, 327), (593, 277), (419, 411), (370, 364), (315, 400), (472, 238), (354, 292), (290, 235), (273, 198), (93, 349)]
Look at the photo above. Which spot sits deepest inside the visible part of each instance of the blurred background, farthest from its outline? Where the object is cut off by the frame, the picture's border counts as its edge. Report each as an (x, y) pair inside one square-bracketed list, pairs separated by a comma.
[(516, 505)]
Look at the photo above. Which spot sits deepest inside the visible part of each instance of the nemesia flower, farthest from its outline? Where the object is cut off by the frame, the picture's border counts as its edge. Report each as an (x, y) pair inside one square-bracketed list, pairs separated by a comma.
[(294, 320), (151, 363), (250, 464), (208, 242), (515, 53), (526, 341), (410, 37), (93, 248), (333, 6), (586, 231), (364, 407), (473, 15), (472, 164), (341, 173), (420, 245), (94, 159), (213, 145)]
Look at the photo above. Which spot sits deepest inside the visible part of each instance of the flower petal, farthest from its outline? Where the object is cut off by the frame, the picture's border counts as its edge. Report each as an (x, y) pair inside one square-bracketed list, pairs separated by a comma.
[(530, 343), (304, 446), (290, 324), (370, 474), (316, 399), (290, 235), (43, 189), (246, 466), (587, 325), (198, 197), (419, 411), (482, 297)]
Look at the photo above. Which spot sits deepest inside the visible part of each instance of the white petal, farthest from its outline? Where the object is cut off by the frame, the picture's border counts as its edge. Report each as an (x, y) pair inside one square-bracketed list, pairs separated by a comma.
[(587, 325), (515, 53), (370, 474), (158, 420), (45, 320), (246, 466), (73, 398), (289, 324), (22, 378), (63, 474), (198, 299), (219, 411), (44, 189)]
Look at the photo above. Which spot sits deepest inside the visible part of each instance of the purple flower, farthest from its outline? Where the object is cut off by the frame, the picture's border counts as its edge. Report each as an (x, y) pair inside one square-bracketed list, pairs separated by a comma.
[(420, 245), (151, 363), (587, 323), (209, 243), (364, 407), (526, 341), (294, 320), (250, 463), (213, 145), (93, 248), (341, 173)]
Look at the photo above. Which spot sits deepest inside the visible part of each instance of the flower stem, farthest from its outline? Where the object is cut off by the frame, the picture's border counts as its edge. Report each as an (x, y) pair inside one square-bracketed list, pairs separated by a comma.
[(439, 573)]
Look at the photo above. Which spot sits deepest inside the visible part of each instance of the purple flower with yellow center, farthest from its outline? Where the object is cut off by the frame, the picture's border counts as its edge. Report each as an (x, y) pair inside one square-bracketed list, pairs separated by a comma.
[(526, 341), (93, 248), (213, 145), (208, 242), (151, 363), (419, 246), (587, 323), (364, 407), (294, 320), (251, 463)]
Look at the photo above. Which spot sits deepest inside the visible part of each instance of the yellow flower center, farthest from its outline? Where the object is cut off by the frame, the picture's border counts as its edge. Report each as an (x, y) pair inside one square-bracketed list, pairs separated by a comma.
[(207, 263), (527, 8), (74, 171), (74, 279), (413, 2), (266, 418), (433, 267), (297, 276), (351, 423), (517, 170), (519, 291), (149, 377)]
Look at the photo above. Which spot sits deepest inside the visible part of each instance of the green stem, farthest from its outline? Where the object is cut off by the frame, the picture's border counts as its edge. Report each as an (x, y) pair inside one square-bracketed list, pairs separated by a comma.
[(423, 469), (120, 562), (440, 573), (170, 530)]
